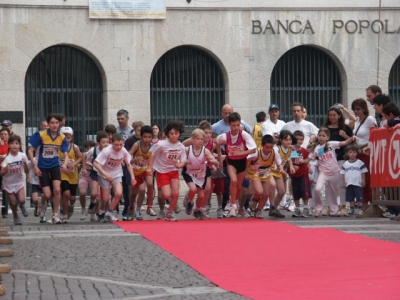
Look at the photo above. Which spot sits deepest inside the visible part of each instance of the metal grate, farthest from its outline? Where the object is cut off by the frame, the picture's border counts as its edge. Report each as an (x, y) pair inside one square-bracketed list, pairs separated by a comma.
[(307, 75), (65, 80), (186, 84), (394, 82)]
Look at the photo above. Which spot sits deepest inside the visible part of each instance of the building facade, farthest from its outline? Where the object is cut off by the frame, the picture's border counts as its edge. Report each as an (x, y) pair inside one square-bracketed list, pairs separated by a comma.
[(204, 54)]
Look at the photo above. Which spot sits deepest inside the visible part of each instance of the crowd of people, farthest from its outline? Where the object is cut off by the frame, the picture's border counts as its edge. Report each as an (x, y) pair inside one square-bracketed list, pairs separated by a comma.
[(248, 168)]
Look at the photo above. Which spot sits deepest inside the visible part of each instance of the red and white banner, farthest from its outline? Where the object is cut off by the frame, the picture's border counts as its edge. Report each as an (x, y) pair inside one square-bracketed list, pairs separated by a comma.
[(384, 147)]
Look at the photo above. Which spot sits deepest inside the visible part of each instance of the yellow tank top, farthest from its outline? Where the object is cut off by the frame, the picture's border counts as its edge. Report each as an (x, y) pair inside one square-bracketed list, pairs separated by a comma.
[(257, 135), (260, 168), (285, 156), (141, 167), (72, 174)]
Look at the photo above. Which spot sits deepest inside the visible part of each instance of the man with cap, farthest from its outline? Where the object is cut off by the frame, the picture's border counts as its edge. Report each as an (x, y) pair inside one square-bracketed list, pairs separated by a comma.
[(273, 124), (7, 124)]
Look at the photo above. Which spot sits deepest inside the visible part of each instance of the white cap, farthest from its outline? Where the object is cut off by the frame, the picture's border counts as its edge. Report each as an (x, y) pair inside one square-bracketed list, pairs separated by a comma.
[(67, 130)]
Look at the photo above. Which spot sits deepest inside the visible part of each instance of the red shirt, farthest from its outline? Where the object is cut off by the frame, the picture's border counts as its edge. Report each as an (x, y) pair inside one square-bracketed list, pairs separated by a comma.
[(303, 168)]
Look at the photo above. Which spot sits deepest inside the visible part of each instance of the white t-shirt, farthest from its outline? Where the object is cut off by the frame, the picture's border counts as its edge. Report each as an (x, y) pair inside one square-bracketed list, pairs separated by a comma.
[(363, 132), (15, 172), (33, 178), (306, 127), (247, 138), (327, 162), (352, 172), (90, 154), (111, 160), (166, 154), (272, 127)]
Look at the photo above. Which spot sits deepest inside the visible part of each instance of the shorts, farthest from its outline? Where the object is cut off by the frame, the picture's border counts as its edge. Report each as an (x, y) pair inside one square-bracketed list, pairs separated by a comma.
[(85, 181), (35, 188), (189, 178), (140, 179), (105, 184), (301, 187), (238, 164), (165, 178), (94, 175), (13, 188), (49, 175), (219, 185), (66, 186), (354, 191)]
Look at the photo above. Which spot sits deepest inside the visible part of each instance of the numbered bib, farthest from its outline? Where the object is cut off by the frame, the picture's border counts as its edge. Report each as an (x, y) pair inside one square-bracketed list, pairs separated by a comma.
[(50, 151), (173, 155)]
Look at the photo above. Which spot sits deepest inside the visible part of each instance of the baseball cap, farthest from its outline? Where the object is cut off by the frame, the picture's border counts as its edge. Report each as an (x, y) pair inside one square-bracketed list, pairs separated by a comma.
[(67, 130), (273, 106), (6, 123)]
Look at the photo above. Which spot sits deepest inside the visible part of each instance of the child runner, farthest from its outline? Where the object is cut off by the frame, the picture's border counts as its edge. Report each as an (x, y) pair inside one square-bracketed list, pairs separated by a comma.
[(69, 178), (108, 164), (258, 170), (299, 179), (102, 140), (239, 144), (329, 170), (165, 156), (47, 143), (84, 179), (285, 151), (196, 173), (141, 155), (353, 179), (33, 180), (12, 167)]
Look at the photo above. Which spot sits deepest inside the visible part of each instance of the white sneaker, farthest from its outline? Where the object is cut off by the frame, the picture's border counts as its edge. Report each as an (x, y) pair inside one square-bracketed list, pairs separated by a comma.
[(84, 214), (56, 219), (232, 212), (110, 216), (94, 218)]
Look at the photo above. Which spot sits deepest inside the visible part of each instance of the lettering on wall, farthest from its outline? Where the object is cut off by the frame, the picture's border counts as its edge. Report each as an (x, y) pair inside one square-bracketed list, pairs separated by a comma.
[(306, 27)]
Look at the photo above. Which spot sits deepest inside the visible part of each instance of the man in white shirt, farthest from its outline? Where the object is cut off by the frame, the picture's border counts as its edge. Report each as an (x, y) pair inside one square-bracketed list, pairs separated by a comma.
[(273, 124), (308, 128)]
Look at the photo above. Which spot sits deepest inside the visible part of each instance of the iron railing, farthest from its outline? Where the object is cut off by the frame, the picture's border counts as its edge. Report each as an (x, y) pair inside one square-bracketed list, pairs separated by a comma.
[(65, 80), (394, 82), (307, 75)]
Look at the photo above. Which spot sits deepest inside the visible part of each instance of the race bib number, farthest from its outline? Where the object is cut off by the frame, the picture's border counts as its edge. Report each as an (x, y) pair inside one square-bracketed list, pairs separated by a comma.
[(235, 148), (15, 167), (113, 163), (50, 151), (141, 165), (263, 172), (197, 173), (173, 155)]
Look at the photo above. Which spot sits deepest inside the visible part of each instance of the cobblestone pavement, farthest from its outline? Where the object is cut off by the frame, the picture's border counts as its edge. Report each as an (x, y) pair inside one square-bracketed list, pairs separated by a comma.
[(84, 260)]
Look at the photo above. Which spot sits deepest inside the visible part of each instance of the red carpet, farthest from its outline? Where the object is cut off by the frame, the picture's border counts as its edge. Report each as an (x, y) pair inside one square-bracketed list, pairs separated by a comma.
[(262, 259)]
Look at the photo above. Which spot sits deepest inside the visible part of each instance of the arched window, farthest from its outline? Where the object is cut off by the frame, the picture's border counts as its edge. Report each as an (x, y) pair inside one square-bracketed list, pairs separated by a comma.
[(186, 84), (62, 79), (394, 82), (307, 75)]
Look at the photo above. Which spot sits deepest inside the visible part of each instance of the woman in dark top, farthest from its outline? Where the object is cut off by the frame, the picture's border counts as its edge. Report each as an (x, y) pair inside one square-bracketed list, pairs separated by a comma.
[(335, 122)]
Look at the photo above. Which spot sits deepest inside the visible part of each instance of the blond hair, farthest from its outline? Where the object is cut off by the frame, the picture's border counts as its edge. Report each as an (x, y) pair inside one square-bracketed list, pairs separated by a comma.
[(197, 132)]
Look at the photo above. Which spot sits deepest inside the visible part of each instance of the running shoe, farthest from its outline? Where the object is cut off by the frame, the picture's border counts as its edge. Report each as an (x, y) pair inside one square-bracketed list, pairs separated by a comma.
[(350, 212), (243, 213), (258, 214), (296, 213), (189, 208), (42, 220), (170, 216), (197, 214), (388, 214), (138, 215), (151, 212), (276, 213), (109, 216), (305, 213), (91, 207), (232, 212), (204, 214), (253, 204), (25, 213), (17, 221), (161, 215), (220, 213), (36, 211), (94, 218), (101, 217), (177, 210), (64, 219), (266, 207), (70, 210), (56, 219), (84, 214)]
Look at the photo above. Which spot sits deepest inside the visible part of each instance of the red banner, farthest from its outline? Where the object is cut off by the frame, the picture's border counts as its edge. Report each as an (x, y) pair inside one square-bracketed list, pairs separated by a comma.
[(384, 147)]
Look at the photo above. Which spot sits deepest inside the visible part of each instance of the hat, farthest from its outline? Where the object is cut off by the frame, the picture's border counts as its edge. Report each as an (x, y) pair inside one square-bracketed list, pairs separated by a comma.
[(67, 130), (6, 123), (273, 106)]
